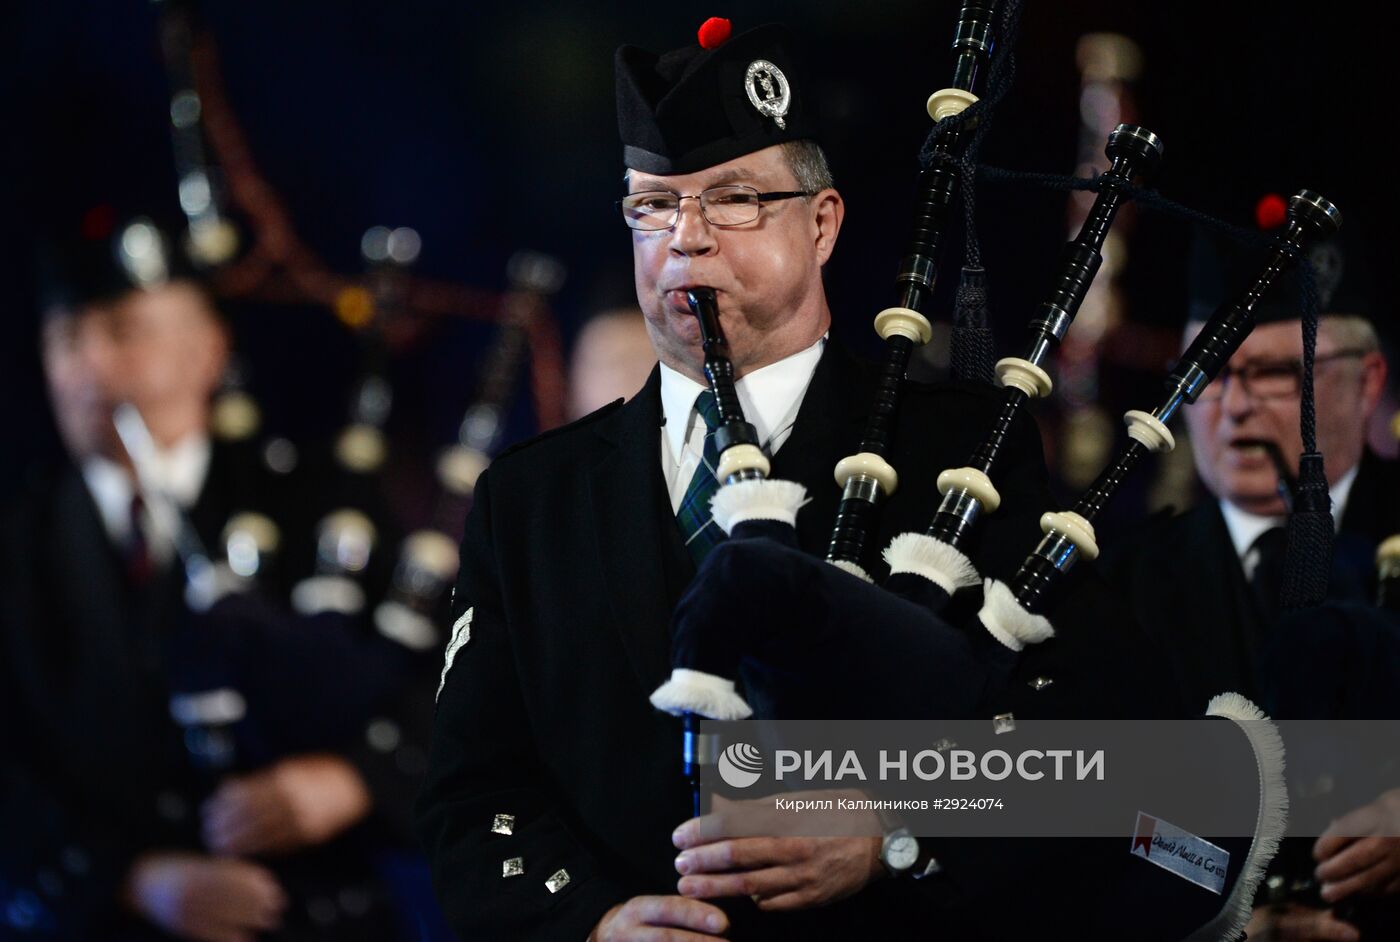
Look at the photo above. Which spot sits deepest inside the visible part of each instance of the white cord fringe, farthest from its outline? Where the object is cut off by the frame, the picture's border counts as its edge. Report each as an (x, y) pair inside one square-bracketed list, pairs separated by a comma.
[(757, 500), (1008, 621), (1268, 828), (854, 568), (710, 696), (943, 565)]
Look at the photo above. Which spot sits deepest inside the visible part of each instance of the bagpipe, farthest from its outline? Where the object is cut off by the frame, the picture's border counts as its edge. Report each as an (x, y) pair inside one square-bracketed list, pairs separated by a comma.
[(351, 556), (402, 585), (866, 477), (768, 631), (416, 600), (1014, 611), (254, 679), (1388, 573), (251, 681)]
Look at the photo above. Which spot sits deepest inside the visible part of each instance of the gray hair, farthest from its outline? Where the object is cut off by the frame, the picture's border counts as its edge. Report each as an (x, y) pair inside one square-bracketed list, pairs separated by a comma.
[(805, 159), (1350, 332), (808, 164)]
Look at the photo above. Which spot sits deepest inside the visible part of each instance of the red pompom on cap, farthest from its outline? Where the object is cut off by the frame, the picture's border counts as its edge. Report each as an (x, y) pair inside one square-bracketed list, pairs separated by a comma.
[(713, 32), (1271, 211)]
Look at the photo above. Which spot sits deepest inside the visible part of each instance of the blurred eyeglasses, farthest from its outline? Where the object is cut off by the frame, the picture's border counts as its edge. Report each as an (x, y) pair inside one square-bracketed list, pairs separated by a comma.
[(720, 205), (1269, 379)]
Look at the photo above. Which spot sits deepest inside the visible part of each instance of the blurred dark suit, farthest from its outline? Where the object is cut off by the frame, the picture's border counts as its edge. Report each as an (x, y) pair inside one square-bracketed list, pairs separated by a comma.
[(101, 774)]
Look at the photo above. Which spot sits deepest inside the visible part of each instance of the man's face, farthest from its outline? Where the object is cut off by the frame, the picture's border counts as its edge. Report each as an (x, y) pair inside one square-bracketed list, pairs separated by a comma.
[(79, 353), (1229, 433), (766, 274), (170, 348)]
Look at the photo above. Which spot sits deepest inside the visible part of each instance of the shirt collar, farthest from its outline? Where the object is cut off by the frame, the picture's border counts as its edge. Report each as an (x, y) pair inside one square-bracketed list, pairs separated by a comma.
[(1246, 527), (767, 395), (111, 490), (678, 393), (1341, 493), (179, 471)]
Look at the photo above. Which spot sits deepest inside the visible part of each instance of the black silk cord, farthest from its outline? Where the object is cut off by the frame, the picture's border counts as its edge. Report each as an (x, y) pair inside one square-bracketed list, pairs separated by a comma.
[(1308, 562), (973, 353)]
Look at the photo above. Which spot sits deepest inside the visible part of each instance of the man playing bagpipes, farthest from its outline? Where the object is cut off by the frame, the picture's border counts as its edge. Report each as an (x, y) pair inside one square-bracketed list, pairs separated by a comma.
[(1339, 662), (554, 789), (190, 756)]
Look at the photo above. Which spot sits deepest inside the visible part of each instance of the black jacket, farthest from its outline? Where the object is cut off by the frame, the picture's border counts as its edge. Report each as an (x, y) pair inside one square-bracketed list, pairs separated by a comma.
[(95, 772), (571, 564), (1188, 588)]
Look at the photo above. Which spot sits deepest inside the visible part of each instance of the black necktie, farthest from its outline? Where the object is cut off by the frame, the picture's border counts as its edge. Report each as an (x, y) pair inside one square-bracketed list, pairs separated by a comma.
[(137, 551), (1267, 579)]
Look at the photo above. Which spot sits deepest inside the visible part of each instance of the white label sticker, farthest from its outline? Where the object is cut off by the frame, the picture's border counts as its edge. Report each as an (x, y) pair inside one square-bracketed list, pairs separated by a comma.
[(461, 634), (1183, 853)]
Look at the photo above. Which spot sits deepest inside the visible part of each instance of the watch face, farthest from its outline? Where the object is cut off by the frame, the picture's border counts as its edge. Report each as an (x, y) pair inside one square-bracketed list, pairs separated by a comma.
[(901, 852)]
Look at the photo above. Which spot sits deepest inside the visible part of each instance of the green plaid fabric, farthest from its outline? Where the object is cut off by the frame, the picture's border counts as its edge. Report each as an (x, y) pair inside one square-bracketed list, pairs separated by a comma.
[(697, 525)]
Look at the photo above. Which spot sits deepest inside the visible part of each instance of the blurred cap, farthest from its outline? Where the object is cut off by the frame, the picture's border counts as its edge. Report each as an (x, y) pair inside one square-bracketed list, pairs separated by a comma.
[(1221, 269), (99, 259)]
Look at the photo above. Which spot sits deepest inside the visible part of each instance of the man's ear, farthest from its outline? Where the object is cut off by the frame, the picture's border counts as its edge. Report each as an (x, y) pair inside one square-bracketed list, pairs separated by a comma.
[(218, 348), (1373, 374), (828, 210)]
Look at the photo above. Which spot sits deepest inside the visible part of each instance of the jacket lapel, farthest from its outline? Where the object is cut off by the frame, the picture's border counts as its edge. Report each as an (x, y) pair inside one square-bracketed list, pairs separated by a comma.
[(1370, 511), (1369, 517), (76, 543), (1218, 579), (644, 562), (111, 684), (828, 424)]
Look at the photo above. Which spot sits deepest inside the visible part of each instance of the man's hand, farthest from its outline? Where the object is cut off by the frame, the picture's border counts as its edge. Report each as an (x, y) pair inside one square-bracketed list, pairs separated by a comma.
[(1295, 923), (299, 802), (778, 873), (208, 899), (1351, 864), (660, 919)]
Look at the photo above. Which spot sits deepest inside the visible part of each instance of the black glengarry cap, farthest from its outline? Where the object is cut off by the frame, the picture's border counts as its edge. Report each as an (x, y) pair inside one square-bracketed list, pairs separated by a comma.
[(702, 105)]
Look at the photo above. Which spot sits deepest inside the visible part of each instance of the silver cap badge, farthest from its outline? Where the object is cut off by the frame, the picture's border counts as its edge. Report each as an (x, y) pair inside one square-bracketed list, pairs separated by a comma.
[(768, 90)]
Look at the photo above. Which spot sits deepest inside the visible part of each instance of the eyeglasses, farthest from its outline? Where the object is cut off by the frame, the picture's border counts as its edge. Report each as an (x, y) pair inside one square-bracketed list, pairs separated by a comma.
[(1278, 379), (720, 205)]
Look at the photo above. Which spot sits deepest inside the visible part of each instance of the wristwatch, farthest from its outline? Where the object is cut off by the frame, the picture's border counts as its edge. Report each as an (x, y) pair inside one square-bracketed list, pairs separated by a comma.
[(902, 855)]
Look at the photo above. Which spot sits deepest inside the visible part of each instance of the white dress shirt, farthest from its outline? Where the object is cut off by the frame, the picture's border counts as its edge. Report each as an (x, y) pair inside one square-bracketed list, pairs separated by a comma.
[(178, 472), (1246, 527), (771, 398)]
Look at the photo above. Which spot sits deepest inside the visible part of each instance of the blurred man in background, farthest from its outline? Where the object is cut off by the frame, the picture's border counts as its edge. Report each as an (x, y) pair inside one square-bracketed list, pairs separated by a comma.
[(1245, 438), (1207, 582), (116, 823), (611, 360)]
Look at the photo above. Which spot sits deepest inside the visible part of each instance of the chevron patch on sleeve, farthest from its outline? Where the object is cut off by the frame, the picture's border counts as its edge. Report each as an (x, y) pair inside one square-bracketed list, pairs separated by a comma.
[(461, 634)]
